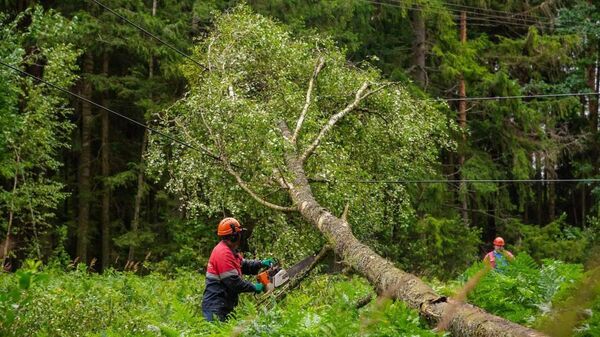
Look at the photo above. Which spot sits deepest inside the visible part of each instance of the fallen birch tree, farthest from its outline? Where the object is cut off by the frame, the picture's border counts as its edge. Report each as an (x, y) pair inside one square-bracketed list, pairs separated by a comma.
[(271, 111)]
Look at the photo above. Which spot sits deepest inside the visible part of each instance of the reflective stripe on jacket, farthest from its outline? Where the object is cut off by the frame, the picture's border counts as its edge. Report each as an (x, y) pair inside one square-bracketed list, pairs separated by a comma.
[(224, 280)]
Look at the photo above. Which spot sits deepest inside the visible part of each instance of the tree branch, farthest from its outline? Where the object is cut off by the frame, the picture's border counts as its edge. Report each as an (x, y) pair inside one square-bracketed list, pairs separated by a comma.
[(345, 213), (358, 97), (228, 167), (311, 85), (247, 189), (285, 130), (188, 136)]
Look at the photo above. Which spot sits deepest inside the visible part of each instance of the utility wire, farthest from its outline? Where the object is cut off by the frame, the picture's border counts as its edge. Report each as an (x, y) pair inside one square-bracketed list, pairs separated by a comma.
[(491, 98), (201, 150), (484, 98), (479, 12), (473, 181), (508, 13), (472, 19), (444, 10), (150, 34)]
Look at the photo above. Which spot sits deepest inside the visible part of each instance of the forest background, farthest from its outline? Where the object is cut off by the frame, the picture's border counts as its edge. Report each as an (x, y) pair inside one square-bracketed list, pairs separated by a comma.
[(74, 184)]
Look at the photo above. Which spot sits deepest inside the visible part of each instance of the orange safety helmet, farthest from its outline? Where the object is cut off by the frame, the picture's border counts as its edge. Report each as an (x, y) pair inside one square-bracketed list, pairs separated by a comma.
[(228, 226), (498, 241)]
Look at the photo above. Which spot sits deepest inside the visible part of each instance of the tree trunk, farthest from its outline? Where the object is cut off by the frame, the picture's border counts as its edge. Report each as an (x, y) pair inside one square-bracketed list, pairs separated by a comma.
[(462, 119), (105, 145), (593, 82), (11, 212), (85, 161), (593, 99), (466, 320), (419, 47), (583, 201), (538, 189), (135, 223), (551, 188)]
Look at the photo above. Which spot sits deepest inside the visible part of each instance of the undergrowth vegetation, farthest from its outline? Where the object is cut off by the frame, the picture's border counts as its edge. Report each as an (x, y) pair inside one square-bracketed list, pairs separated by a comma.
[(51, 302), (534, 294), (77, 303)]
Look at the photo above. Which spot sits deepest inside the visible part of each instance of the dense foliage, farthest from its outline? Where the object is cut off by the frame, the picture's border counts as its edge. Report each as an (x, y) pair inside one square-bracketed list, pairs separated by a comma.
[(74, 183), (128, 216), (257, 77), (76, 303), (545, 296), (35, 124), (51, 302)]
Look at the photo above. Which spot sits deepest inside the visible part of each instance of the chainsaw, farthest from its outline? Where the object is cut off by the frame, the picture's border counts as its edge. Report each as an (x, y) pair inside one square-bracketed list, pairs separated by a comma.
[(276, 276)]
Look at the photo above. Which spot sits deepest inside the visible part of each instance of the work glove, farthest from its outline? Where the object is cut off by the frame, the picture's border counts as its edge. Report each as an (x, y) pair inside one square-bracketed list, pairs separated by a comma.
[(268, 262), (259, 288)]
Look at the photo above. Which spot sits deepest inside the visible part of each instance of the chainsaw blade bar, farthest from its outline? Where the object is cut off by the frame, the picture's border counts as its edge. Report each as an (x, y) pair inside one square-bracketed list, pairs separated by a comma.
[(300, 266)]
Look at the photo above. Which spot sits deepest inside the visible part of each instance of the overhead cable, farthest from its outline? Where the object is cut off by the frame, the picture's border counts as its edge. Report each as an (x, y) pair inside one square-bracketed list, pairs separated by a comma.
[(187, 56), (201, 150), (507, 13), (205, 152), (475, 16), (479, 12), (471, 181), (476, 11), (491, 98)]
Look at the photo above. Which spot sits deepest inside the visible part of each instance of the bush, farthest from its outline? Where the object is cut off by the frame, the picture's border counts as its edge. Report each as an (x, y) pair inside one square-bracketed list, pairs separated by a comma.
[(442, 248), (326, 306), (57, 303), (557, 240), (522, 290), (113, 304)]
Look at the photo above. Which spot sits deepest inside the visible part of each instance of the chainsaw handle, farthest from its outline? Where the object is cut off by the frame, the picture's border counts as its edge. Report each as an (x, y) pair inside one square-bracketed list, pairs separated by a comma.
[(263, 278)]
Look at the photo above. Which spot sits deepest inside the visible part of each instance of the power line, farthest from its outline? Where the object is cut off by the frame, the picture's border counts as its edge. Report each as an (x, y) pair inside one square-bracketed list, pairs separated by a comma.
[(484, 98), (205, 152), (479, 13), (493, 13), (444, 10), (150, 34), (534, 17), (490, 98), (453, 181), (472, 19), (201, 150)]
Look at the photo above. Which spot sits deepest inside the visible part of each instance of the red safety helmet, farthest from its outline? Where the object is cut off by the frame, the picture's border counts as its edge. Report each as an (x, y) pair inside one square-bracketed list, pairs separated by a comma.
[(228, 226), (498, 241)]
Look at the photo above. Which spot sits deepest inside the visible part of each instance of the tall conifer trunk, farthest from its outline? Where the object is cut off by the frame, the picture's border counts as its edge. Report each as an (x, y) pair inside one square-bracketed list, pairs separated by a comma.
[(462, 119), (593, 82), (85, 161), (539, 188), (11, 213), (419, 47), (105, 145), (551, 188), (135, 222), (593, 99)]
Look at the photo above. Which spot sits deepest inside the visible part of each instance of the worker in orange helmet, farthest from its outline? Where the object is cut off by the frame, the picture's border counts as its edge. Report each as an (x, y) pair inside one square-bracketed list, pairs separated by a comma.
[(224, 272), (499, 257)]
